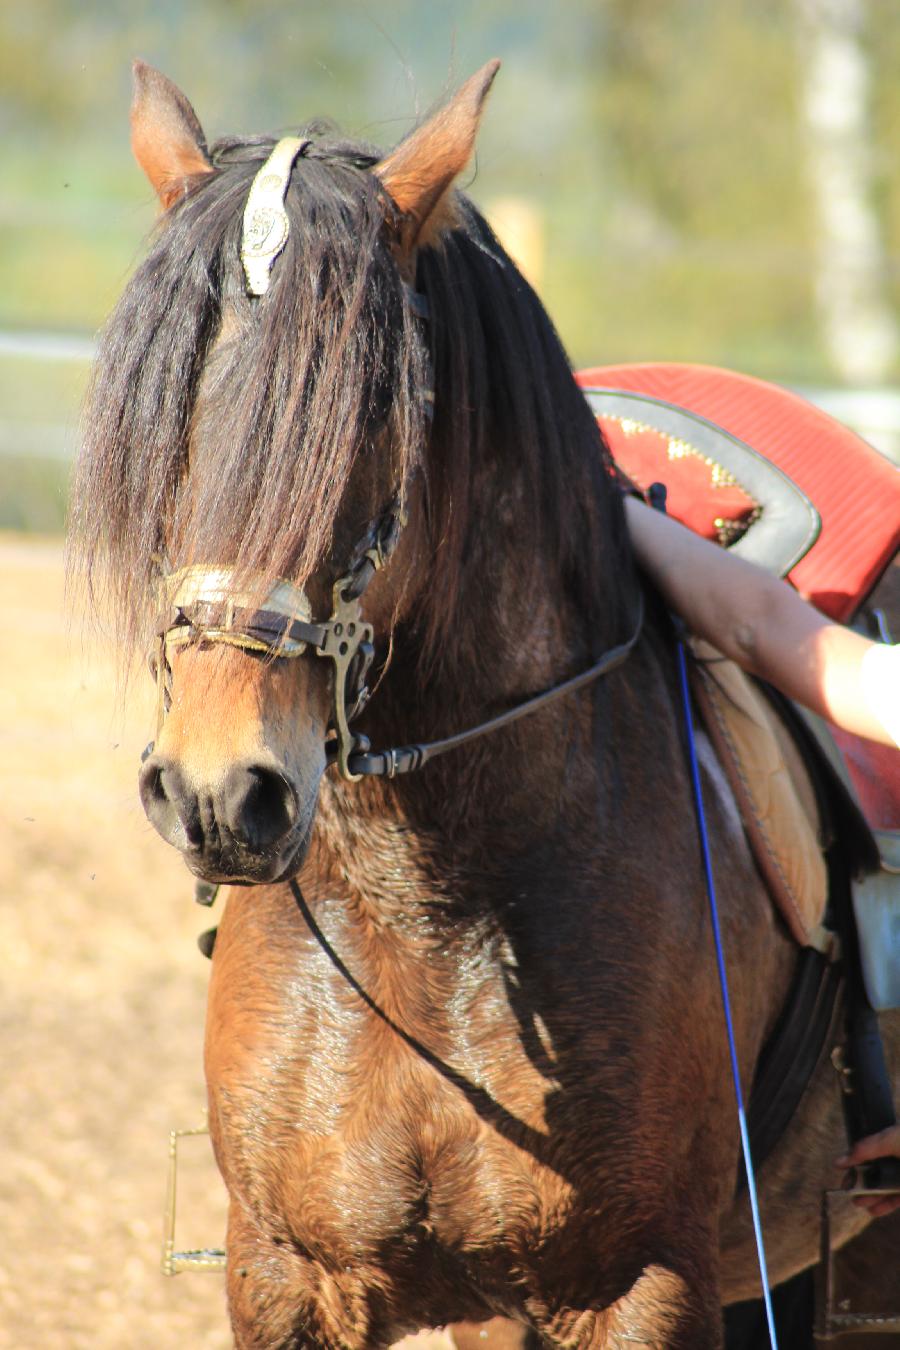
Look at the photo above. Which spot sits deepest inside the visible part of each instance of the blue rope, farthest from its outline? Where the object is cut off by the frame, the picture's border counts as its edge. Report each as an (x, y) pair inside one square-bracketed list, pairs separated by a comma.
[(723, 981)]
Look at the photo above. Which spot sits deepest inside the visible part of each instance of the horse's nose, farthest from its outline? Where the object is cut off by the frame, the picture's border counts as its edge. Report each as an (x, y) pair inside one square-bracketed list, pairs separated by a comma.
[(258, 806), (252, 807)]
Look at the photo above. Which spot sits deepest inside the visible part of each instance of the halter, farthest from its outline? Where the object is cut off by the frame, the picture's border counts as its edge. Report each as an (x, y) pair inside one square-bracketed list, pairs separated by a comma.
[(207, 604)]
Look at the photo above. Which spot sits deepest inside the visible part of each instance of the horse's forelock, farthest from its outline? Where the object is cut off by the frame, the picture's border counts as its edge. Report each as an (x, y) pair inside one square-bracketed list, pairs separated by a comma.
[(299, 379), (296, 382)]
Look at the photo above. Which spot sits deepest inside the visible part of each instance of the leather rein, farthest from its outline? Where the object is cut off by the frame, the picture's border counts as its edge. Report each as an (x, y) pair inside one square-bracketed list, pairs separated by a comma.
[(212, 604)]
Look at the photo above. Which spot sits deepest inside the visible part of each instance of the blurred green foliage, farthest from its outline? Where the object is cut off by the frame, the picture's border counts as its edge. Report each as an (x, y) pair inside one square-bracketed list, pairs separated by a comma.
[(660, 139), (661, 142), (33, 494)]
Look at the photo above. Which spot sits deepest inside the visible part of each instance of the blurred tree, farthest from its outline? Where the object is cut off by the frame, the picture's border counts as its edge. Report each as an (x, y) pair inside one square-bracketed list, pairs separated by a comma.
[(659, 144), (859, 327)]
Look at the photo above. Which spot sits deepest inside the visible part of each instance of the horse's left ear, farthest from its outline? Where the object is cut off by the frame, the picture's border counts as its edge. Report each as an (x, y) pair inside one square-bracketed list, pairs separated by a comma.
[(166, 137), (419, 173)]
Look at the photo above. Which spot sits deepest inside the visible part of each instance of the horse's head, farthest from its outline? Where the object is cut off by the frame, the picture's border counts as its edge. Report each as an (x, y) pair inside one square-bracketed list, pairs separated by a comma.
[(253, 440), (323, 343)]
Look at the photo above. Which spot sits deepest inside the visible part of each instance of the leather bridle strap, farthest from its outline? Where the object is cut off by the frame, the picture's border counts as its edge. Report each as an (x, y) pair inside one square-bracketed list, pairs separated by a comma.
[(265, 630), (401, 759)]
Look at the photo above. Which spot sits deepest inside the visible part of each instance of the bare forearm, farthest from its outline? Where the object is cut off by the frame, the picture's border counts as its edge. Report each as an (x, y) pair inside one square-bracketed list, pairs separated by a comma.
[(756, 620)]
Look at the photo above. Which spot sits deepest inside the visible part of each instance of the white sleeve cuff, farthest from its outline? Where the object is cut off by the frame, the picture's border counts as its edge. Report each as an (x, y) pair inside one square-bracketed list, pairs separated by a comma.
[(880, 673)]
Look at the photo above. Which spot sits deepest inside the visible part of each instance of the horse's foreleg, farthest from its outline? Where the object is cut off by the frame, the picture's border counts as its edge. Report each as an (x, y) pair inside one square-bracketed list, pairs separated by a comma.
[(279, 1300), (661, 1311)]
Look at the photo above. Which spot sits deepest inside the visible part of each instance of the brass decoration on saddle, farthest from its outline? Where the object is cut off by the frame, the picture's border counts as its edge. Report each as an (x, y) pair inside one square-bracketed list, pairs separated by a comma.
[(266, 225)]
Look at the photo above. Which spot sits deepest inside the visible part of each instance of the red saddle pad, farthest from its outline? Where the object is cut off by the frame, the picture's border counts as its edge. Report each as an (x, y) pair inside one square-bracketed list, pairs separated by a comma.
[(855, 489)]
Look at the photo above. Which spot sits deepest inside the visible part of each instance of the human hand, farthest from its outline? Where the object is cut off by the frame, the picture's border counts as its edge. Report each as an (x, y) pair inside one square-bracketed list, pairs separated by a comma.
[(885, 1144)]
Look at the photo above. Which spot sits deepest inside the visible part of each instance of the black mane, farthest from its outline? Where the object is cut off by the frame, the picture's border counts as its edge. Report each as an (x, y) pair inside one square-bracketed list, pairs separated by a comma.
[(298, 381)]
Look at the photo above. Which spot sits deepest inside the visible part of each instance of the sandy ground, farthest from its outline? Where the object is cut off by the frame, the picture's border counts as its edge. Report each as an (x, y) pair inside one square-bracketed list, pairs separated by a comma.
[(102, 997)]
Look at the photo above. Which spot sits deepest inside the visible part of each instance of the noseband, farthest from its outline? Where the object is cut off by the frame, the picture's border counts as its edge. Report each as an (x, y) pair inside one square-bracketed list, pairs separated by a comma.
[(204, 604)]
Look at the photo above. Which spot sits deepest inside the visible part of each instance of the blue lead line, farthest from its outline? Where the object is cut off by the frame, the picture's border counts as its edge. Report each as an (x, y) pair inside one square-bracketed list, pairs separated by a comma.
[(726, 1001)]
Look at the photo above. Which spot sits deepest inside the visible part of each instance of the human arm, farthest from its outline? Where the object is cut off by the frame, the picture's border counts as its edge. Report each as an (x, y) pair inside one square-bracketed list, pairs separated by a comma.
[(757, 620)]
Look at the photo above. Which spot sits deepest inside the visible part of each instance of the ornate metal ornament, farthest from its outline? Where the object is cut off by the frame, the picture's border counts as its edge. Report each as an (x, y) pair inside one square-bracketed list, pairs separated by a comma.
[(834, 1315), (173, 1260), (266, 224)]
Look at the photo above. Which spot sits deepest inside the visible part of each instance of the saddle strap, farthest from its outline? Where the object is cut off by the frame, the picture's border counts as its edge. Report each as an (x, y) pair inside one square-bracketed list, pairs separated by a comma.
[(780, 826), (806, 1029)]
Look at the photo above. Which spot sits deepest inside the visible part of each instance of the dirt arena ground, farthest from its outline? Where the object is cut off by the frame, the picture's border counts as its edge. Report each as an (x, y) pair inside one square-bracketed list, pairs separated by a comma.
[(102, 998)]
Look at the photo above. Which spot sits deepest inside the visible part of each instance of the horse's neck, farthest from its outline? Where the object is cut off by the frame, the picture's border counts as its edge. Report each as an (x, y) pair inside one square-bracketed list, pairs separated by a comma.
[(470, 817), (516, 632)]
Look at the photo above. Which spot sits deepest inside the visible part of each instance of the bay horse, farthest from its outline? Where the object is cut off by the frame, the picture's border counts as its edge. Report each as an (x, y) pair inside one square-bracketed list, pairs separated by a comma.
[(465, 1053)]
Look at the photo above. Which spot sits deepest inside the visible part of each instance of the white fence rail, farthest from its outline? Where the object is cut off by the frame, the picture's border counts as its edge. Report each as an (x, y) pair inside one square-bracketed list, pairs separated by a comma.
[(47, 346), (873, 413)]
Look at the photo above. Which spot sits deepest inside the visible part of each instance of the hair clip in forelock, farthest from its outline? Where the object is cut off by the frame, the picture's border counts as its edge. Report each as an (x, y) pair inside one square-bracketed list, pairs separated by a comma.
[(266, 224)]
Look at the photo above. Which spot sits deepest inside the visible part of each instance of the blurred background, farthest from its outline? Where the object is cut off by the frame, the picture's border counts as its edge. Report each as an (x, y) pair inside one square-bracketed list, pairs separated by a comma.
[(691, 180), (682, 179)]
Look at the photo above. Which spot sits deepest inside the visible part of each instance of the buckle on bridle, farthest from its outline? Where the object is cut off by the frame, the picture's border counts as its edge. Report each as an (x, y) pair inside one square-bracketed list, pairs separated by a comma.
[(348, 643)]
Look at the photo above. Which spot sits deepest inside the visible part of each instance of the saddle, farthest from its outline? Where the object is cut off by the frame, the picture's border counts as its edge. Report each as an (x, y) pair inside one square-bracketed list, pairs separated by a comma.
[(800, 784), (761, 471)]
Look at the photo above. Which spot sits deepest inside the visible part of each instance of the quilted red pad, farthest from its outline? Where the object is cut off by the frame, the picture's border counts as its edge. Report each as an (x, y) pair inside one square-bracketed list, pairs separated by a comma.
[(710, 506), (855, 489)]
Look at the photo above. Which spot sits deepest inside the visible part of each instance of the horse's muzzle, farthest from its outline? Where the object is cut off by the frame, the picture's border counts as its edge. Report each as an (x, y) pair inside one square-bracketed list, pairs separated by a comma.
[(246, 827)]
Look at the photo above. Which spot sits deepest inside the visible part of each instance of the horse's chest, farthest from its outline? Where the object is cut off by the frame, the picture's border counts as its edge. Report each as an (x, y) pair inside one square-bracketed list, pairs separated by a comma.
[(344, 1133), (405, 1167)]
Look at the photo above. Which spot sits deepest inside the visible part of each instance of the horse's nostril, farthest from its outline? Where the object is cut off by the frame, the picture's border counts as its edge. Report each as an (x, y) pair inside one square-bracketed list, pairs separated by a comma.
[(260, 805), (151, 785), (170, 807), (254, 807)]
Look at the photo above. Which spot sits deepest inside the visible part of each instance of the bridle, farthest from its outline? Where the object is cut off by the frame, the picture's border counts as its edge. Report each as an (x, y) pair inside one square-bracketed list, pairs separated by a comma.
[(203, 608), (203, 604), (218, 605)]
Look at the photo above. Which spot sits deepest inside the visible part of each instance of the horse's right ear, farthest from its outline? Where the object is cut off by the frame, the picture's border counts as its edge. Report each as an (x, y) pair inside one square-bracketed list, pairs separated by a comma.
[(166, 137), (419, 174)]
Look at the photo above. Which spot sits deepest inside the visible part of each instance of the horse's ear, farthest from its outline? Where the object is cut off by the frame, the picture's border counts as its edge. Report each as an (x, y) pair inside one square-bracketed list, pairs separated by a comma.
[(166, 137), (419, 173)]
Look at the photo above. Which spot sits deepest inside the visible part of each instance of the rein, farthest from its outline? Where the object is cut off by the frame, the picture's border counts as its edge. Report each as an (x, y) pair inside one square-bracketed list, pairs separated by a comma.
[(401, 759)]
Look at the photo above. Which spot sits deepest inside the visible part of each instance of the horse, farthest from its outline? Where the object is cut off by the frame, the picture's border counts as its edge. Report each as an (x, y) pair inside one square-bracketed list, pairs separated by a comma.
[(464, 1050)]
